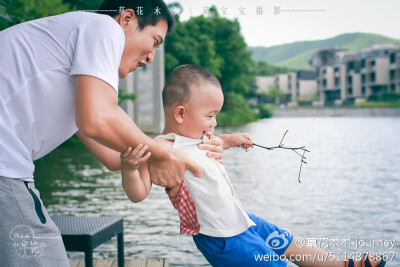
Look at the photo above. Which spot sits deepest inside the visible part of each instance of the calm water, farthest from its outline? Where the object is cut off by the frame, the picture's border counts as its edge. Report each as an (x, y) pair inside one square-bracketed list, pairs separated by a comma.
[(350, 188)]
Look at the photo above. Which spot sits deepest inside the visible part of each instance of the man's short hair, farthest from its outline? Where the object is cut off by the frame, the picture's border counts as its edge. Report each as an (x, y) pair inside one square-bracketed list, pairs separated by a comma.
[(148, 12), (178, 85)]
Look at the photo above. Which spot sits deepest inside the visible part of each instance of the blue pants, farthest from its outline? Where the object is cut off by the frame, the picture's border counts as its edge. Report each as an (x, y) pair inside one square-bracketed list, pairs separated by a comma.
[(260, 245)]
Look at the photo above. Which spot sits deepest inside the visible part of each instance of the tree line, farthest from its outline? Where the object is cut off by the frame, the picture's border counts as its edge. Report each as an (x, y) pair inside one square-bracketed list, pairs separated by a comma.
[(213, 42)]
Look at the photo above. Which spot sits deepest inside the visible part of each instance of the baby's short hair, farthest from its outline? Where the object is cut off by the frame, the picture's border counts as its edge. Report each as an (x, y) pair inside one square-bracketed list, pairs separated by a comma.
[(178, 85)]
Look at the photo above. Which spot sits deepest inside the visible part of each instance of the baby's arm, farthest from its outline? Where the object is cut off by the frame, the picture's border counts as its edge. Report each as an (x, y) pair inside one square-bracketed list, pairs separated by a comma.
[(234, 140), (135, 181)]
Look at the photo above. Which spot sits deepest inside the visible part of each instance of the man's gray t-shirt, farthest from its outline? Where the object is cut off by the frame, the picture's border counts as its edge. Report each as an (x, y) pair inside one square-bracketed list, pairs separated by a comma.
[(38, 61)]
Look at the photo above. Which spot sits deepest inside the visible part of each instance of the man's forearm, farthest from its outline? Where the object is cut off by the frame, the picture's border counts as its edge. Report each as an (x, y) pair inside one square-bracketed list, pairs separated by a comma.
[(98, 116), (116, 130)]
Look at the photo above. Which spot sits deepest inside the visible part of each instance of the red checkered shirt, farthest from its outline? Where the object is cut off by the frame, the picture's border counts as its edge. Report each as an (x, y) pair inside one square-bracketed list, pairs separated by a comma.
[(183, 203)]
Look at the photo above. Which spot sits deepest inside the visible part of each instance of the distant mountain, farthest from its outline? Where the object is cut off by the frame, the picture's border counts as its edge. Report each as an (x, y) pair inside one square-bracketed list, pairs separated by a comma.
[(297, 55)]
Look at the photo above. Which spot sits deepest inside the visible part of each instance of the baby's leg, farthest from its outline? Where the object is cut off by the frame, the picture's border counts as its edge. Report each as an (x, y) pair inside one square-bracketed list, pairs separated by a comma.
[(282, 242), (313, 256)]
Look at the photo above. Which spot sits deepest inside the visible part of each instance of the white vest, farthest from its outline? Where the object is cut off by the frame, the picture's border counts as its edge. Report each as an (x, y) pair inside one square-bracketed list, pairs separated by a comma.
[(219, 211)]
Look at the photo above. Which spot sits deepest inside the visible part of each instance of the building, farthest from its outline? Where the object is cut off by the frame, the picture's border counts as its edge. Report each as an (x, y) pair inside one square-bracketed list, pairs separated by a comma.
[(379, 71), (263, 83), (394, 72), (300, 87), (323, 57), (148, 82), (339, 82), (345, 77), (281, 81)]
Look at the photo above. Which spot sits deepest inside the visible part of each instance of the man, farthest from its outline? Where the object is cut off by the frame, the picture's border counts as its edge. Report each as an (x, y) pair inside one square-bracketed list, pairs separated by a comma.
[(59, 76)]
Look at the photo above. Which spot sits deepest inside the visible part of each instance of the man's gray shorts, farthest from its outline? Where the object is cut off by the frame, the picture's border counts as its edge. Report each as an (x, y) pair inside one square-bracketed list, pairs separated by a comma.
[(28, 237)]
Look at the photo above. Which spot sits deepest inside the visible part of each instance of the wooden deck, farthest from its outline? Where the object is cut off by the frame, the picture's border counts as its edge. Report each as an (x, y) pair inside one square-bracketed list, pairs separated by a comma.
[(149, 262)]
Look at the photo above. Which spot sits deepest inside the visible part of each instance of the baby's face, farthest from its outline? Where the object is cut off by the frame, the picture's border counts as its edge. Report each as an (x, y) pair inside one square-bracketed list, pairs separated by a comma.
[(201, 111)]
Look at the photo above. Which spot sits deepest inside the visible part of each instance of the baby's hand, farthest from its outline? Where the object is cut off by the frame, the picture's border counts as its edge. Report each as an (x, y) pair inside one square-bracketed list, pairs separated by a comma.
[(241, 139), (132, 159)]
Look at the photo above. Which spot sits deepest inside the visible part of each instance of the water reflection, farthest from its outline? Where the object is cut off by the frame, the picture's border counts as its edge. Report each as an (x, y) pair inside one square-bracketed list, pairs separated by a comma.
[(350, 187)]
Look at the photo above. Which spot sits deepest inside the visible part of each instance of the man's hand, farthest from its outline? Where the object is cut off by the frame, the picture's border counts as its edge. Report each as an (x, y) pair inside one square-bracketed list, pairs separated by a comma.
[(214, 147), (169, 172)]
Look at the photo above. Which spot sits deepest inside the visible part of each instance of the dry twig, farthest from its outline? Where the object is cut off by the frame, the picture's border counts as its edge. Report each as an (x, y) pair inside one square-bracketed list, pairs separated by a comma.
[(294, 149)]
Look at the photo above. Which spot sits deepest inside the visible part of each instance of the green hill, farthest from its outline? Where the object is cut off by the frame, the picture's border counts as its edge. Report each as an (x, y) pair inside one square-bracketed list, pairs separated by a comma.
[(297, 55)]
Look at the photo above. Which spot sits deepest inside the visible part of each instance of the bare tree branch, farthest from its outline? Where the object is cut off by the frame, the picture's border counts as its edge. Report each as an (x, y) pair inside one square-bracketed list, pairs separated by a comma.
[(294, 149)]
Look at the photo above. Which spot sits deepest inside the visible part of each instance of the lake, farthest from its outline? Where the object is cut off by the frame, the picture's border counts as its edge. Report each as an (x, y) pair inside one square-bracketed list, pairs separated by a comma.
[(349, 192)]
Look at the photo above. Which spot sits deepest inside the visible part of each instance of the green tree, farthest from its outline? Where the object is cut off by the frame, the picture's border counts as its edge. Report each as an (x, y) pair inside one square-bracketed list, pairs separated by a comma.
[(13, 12), (236, 111), (275, 93), (216, 44), (238, 67), (264, 69), (83, 4), (192, 43)]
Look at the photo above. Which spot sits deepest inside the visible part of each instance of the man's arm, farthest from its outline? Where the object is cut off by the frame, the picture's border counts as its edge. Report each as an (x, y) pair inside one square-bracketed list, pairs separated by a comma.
[(99, 117), (109, 157)]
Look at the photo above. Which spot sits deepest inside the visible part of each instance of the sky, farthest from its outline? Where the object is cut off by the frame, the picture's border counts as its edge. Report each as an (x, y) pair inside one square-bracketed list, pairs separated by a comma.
[(286, 21)]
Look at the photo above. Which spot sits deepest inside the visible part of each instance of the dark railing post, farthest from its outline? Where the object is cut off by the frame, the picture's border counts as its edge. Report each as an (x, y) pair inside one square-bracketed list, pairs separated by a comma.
[(89, 257), (121, 258)]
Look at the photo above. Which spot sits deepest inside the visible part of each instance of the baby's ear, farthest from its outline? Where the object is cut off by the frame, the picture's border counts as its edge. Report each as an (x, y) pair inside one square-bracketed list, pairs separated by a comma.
[(179, 113)]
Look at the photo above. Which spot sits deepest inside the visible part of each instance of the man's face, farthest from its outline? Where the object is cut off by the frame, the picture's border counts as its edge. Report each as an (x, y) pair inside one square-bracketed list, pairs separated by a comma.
[(140, 45), (201, 110)]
